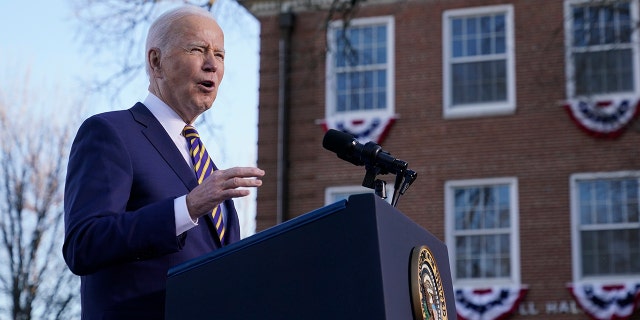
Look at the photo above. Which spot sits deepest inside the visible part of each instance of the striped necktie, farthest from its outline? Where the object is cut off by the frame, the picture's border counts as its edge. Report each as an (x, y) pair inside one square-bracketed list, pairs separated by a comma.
[(203, 167)]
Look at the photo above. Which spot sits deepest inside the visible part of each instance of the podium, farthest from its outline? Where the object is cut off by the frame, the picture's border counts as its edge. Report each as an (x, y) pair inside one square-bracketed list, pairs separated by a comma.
[(349, 260)]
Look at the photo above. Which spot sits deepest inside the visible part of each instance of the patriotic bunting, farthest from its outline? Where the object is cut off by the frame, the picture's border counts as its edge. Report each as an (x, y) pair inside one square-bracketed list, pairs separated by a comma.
[(364, 128), (607, 301), (603, 118), (488, 304)]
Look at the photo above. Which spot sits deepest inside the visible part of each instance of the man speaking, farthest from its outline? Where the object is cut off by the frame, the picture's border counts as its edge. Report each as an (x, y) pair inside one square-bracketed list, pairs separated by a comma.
[(142, 193)]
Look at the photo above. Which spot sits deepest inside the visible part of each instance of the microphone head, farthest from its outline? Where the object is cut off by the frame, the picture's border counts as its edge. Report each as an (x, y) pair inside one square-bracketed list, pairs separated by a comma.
[(338, 142), (343, 144)]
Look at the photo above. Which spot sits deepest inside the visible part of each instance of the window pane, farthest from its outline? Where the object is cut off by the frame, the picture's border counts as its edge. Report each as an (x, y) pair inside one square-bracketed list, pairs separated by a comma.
[(457, 37), (491, 218), (456, 27), (457, 48), (616, 201), (381, 55), (472, 45), (604, 71), (366, 56), (486, 39), (381, 35), (626, 28), (579, 24), (367, 37), (382, 100), (354, 101), (603, 63), (611, 206), (361, 59), (354, 81), (478, 82), (594, 22), (589, 256), (610, 252), (483, 210), (471, 27), (368, 90), (482, 256), (341, 82), (477, 36), (499, 24), (341, 102), (354, 36)]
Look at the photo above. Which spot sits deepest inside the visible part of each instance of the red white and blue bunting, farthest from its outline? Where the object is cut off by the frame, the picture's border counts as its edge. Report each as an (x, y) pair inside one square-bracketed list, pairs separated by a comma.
[(488, 304), (603, 118), (364, 128), (607, 301)]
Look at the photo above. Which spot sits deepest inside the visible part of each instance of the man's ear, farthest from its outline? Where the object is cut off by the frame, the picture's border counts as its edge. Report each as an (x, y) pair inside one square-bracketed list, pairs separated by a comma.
[(153, 56)]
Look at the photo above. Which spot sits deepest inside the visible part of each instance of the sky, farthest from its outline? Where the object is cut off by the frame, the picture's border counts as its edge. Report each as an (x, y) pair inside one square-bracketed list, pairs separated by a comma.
[(40, 39)]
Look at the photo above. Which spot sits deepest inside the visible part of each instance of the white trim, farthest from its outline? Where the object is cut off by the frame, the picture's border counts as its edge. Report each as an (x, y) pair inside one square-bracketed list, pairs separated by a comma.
[(479, 109), (569, 69), (329, 192), (330, 75), (514, 238), (576, 247)]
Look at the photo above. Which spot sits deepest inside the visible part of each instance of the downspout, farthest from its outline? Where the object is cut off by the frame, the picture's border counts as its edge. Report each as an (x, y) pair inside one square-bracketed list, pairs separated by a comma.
[(286, 25)]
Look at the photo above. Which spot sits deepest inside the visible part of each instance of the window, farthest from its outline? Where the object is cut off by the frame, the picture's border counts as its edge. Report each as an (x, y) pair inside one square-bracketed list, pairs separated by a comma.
[(479, 76), (602, 58), (482, 231), (334, 194), (606, 225), (360, 66)]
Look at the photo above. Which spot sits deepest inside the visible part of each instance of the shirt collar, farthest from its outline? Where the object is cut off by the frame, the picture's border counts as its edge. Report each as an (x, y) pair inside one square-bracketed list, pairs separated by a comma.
[(168, 118)]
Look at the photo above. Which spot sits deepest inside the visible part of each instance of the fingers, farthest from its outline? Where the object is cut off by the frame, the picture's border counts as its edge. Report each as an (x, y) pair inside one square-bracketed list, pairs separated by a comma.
[(222, 185), (241, 172), (237, 177)]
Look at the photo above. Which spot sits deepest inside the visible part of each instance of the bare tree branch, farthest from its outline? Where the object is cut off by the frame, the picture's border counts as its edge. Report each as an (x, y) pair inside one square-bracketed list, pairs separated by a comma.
[(34, 280)]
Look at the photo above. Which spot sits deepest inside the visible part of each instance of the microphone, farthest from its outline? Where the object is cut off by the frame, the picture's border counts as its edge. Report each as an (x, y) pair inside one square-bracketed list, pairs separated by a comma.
[(370, 154)]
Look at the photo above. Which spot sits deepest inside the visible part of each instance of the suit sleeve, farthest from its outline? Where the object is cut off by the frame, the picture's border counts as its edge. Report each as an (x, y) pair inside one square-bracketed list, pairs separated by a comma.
[(99, 231)]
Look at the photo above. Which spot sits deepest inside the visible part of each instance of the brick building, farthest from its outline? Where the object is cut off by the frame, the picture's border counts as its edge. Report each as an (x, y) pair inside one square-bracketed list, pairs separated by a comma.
[(519, 117)]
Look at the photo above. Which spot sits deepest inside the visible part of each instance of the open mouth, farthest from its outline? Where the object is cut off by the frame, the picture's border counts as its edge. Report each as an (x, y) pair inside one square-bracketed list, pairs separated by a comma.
[(207, 84)]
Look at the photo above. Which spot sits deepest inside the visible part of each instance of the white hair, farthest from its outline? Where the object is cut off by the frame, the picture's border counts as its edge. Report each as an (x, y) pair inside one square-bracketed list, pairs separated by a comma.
[(160, 34)]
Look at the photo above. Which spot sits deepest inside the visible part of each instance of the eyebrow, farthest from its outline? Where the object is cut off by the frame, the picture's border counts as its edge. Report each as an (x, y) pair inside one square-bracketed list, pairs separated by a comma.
[(205, 45)]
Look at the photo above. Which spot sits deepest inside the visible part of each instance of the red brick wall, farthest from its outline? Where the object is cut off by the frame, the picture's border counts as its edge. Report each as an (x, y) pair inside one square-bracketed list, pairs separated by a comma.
[(539, 144), (267, 122)]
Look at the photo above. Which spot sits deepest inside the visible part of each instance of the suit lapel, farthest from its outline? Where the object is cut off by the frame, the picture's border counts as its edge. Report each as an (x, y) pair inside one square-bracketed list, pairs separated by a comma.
[(161, 141)]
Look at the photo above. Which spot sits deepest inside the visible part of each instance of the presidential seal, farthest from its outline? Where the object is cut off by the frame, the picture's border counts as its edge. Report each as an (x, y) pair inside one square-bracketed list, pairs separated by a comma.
[(427, 292)]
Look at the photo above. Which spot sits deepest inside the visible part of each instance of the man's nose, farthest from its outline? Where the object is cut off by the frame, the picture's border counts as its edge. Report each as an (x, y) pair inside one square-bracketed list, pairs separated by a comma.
[(211, 62)]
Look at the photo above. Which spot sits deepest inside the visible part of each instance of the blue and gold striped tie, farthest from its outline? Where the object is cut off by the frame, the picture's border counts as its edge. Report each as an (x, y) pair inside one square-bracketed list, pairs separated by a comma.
[(204, 167)]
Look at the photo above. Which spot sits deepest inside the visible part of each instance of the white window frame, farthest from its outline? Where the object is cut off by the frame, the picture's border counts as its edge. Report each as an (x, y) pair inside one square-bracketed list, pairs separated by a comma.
[(570, 70), (575, 223), (483, 109), (330, 76), (514, 236), (351, 190)]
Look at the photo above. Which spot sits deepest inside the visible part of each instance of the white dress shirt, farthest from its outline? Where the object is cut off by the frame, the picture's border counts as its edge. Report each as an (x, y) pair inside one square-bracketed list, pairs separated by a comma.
[(173, 125)]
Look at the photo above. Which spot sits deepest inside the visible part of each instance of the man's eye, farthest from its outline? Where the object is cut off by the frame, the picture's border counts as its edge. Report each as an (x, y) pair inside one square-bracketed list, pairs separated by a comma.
[(196, 50)]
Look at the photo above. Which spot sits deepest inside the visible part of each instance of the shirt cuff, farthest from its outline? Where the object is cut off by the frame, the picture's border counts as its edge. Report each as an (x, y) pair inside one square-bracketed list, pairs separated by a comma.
[(183, 219)]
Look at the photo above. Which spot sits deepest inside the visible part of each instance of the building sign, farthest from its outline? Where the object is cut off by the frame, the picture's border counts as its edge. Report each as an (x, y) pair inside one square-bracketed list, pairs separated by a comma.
[(529, 308)]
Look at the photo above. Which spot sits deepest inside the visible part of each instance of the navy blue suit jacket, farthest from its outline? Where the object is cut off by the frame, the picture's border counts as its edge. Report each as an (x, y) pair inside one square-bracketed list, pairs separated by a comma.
[(123, 175)]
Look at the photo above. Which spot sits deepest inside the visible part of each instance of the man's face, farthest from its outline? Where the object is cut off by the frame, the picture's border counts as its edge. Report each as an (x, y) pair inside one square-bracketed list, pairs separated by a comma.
[(192, 68)]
